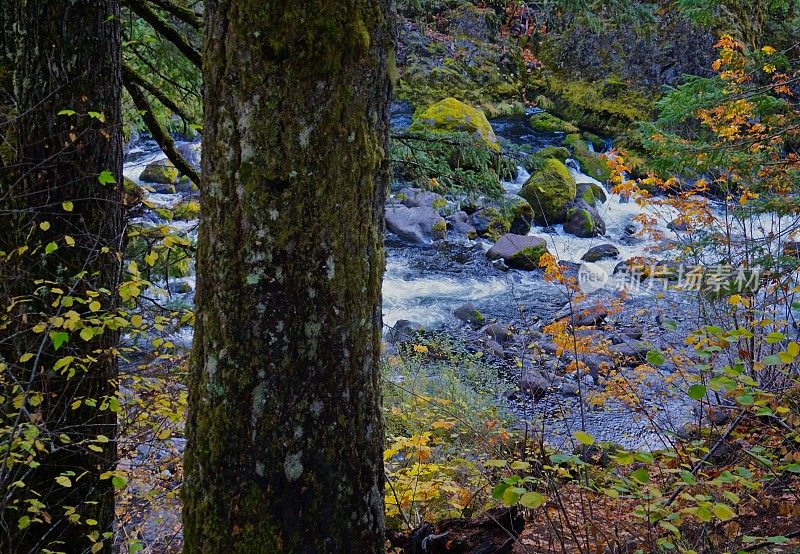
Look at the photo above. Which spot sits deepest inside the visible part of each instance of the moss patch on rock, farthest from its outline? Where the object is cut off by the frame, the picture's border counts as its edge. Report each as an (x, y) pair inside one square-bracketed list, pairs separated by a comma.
[(549, 123), (549, 191), (607, 107), (451, 115), (557, 152), (162, 171)]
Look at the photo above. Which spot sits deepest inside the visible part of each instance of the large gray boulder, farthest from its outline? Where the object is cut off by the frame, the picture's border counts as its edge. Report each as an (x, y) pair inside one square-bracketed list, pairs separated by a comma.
[(418, 225), (418, 198), (518, 251)]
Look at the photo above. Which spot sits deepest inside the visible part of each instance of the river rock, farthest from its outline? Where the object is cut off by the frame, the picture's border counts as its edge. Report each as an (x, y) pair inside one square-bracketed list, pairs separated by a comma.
[(404, 331), (488, 222), (518, 251), (631, 350), (417, 225), (495, 348), (459, 222), (417, 198), (522, 217), (601, 252), (468, 313), (499, 332), (450, 115), (162, 172), (582, 220), (534, 383), (549, 191)]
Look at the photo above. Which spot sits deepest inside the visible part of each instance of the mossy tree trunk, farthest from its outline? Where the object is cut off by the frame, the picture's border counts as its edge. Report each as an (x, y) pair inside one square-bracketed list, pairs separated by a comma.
[(285, 433), (62, 55)]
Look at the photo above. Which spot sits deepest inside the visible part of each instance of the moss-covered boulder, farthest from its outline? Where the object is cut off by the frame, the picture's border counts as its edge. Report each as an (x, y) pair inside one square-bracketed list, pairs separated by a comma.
[(592, 193), (607, 106), (450, 115), (582, 220), (548, 123), (592, 164), (518, 251), (560, 153), (549, 190), (490, 222), (598, 144), (161, 171)]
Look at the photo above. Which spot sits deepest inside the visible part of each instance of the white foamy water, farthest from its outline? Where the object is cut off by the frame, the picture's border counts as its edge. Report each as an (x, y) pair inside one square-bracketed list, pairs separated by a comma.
[(431, 299)]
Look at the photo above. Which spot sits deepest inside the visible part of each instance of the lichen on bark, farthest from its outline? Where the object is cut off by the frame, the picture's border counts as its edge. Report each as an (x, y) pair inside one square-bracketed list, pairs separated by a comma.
[(285, 435)]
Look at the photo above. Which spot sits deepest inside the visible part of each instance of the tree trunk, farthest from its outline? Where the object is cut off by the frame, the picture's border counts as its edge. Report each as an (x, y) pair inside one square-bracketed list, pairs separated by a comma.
[(285, 436), (66, 56)]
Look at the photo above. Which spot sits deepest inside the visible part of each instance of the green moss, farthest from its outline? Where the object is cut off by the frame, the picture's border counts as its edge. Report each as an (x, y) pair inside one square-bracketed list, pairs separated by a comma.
[(543, 102), (557, 152), (592, 164), (548, 191), (527, 258), (607, 107), (164, 213), (133, 194), (186, 211), (450, 115), (597, 143), (548, 123), (163, 172), (588, 196)]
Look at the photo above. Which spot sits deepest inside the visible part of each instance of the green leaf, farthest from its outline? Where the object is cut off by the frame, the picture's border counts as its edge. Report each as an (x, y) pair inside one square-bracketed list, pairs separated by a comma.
[(50, 248), (696, 392), (532, 500), (654, 357), (66, 112), (510, 496), (745, 399), (641, 475), (58, 338), (774, 337), (793, 468), (778, 540), (773, 359), (584, 438), (723, 511), (688, 478), (106, 178), (67, 206), (119, 482), (498, 490), (669, 325), (64, 481), (87, 333), (23, 522)]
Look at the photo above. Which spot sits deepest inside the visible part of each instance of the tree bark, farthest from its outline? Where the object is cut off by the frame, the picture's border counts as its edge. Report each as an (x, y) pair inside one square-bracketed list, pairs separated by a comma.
[(66, 56), (285, 436)]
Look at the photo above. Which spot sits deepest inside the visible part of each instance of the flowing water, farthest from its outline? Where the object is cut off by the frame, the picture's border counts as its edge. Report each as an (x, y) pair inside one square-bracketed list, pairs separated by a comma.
[(425, 285)]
